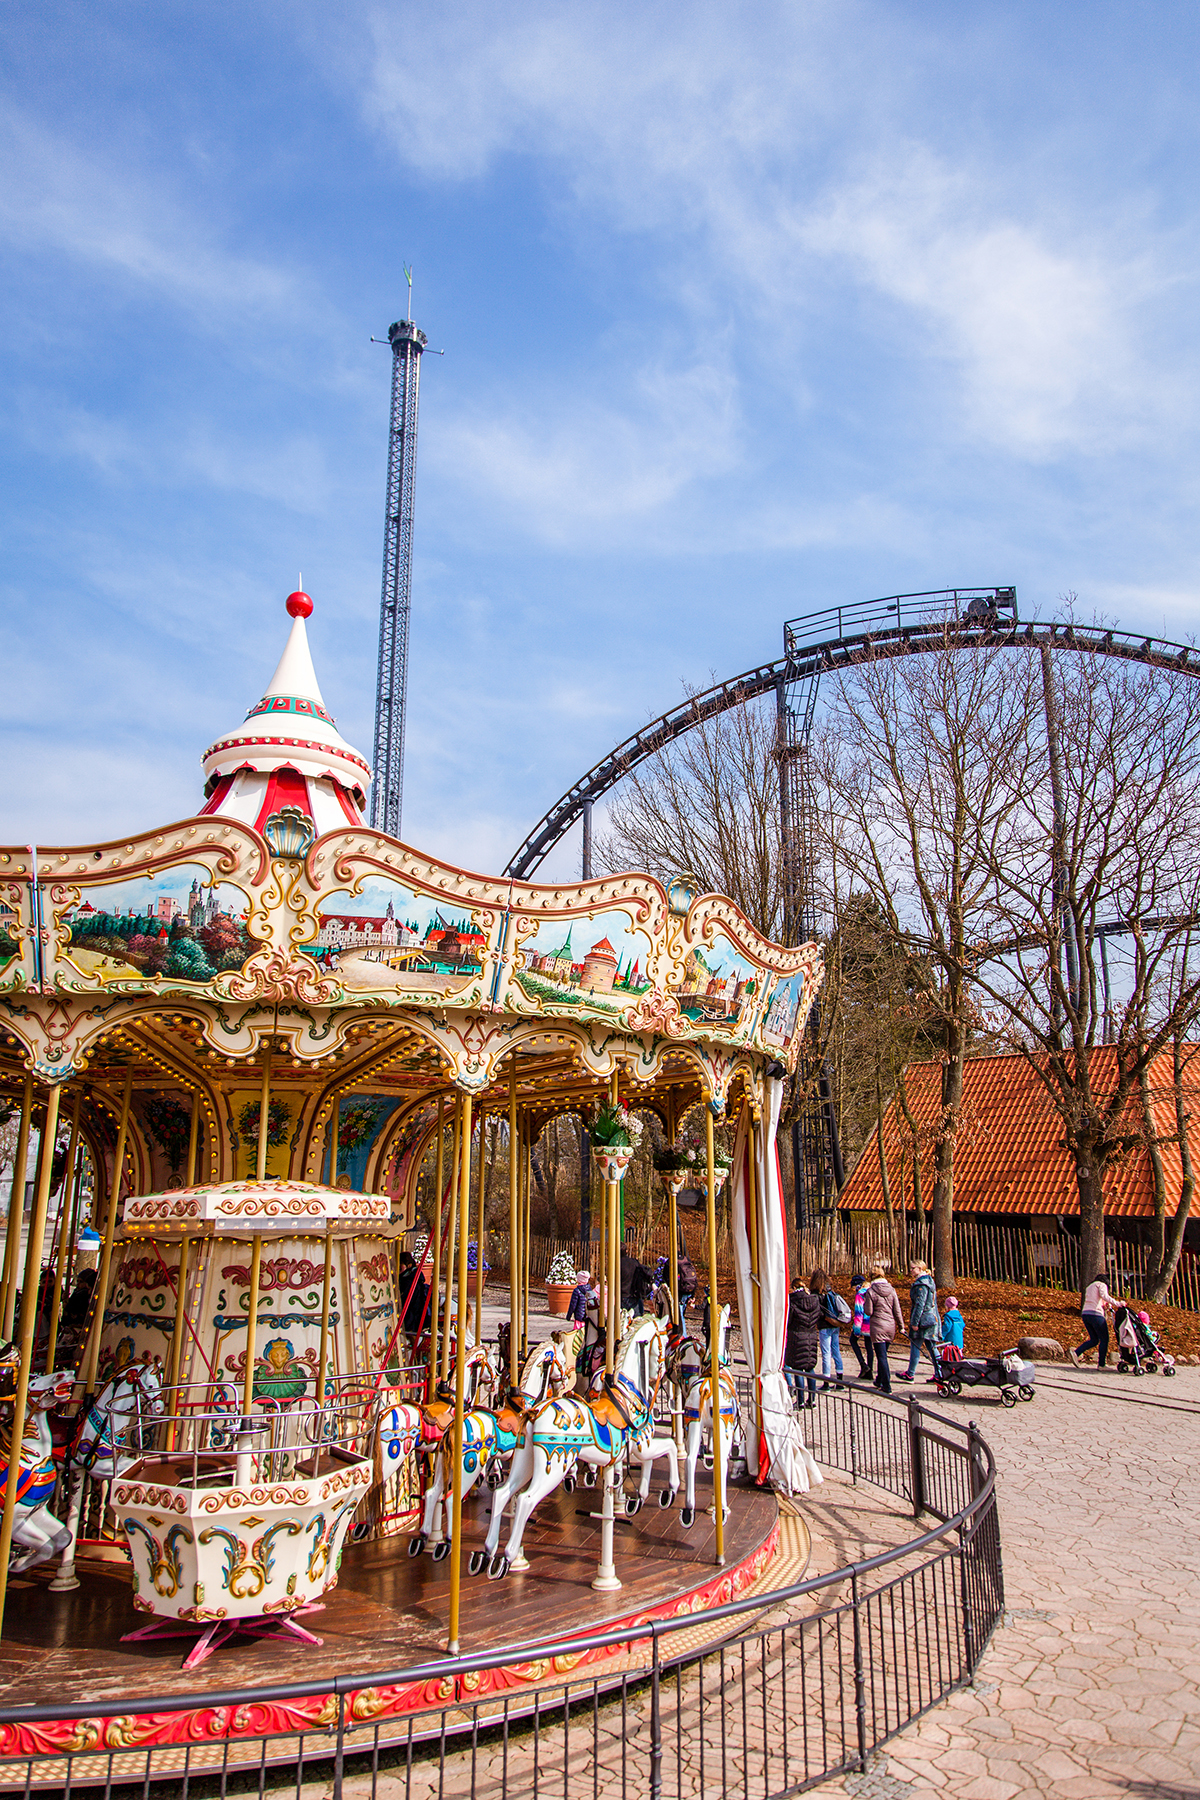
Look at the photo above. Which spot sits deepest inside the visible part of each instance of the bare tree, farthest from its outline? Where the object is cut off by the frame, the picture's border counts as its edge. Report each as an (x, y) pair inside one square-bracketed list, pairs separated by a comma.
[(925, 762), (708, 804), (1109, 831)]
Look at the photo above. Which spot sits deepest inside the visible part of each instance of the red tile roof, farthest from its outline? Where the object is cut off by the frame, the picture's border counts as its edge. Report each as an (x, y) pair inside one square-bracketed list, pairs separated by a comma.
[(1011, 1155)]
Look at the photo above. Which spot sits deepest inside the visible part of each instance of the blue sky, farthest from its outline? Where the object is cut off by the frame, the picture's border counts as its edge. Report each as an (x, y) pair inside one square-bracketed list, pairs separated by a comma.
[(745, 310)]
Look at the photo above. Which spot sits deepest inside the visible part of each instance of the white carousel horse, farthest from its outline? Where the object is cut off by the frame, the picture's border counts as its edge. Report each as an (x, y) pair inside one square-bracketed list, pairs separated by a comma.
[(696, 1380), (37, 1533), (489, 1435), (567, 1431), (405, 1425), (114, 1431)]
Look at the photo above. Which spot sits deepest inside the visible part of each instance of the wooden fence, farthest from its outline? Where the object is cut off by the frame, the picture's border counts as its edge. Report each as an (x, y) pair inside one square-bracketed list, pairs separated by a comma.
[(982, 1252)]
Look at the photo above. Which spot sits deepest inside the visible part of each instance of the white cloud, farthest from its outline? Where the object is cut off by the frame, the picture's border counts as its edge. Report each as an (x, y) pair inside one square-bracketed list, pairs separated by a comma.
[(770, 167), (105, 212), (574, 469)]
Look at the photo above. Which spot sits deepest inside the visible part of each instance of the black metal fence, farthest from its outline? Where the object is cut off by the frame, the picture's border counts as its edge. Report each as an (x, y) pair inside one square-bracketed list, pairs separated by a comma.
[(761, 1697)]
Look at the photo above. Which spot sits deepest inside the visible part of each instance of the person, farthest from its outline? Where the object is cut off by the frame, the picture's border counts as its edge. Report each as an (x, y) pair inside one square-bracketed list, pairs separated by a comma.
[(830, 1332), (76, 1309), (414, 1293), (578, 1303), (954, 1328), (800, 1348), (860, 1330), (1098, 1303), (689, 1281), (882, 1306), (636, 1284), (924, 1325)]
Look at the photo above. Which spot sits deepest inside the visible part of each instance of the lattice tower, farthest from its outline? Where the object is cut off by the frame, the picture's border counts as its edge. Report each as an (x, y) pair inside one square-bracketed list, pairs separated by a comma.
[(391, 692)]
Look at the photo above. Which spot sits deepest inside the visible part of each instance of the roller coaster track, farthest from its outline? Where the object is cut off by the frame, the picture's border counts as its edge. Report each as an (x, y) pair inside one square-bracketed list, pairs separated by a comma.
[(830, 641)]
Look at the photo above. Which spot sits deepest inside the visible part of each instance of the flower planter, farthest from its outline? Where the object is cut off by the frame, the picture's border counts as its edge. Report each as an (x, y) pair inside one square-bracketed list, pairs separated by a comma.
[(612, 1160), (558, 1295)]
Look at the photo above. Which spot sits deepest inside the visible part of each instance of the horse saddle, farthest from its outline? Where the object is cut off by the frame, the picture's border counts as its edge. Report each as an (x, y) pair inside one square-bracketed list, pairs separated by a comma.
[(607, 1412), (436, 1420)]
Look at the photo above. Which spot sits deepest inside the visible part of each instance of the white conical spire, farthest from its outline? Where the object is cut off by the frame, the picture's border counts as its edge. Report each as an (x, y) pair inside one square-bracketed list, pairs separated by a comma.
[(295, 674), (288, 751)]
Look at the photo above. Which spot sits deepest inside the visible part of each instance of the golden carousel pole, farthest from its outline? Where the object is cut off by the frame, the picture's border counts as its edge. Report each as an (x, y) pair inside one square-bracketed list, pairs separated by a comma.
[(451, 1228), (526, 1239), (714, 1335), (673, 1227), (606, 1579), (29, 1299), (326, 1290), (16, 1212), (514, 1229), (185, 1245), (64, 1220), (189, 1179), (110, 1226), (460, 1378), (435, 1298), (479, 1229)]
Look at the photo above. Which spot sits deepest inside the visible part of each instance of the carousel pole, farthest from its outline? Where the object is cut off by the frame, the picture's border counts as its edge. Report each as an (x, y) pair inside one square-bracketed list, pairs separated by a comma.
[(326, 1290), (460, 1379), (436, 1228), (264, 1106), (673, 1228), (514, 1230), (64, 1219), (451, 1228), (29, 1298), (110, 1226), (76, 1209), (16, 1212), (480, 1228), (177, 1336), (526, 1186), (714, 1334), (606, 1579), (193, 1141), (252, 1324)]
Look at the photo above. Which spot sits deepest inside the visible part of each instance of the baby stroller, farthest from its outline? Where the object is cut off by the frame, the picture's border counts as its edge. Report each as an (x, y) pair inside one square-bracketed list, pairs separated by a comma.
[(1138, 1346), (1008, 1372)]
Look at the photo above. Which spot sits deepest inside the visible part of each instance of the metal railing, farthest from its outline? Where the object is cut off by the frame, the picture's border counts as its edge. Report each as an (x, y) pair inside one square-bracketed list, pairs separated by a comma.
[(761, 1696)]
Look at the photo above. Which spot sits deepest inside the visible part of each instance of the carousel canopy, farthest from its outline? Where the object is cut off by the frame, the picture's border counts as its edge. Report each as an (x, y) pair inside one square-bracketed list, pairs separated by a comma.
[(288, 750)]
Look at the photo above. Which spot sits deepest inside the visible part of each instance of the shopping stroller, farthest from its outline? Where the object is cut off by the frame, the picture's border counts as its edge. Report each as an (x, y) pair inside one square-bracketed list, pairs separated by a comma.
[(1138, 1346), (1009, 1372)]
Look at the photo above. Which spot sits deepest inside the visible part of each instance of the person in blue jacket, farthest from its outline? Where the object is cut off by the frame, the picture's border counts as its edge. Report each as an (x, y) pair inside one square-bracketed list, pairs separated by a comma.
[(924, 1325), (953, 1327)]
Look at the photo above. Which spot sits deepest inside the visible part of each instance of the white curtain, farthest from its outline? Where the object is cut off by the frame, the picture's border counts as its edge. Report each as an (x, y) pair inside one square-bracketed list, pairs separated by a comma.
[(774, 1441)]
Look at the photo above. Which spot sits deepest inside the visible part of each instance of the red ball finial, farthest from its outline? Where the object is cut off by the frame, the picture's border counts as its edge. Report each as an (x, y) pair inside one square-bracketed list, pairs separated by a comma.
[(299, 605)]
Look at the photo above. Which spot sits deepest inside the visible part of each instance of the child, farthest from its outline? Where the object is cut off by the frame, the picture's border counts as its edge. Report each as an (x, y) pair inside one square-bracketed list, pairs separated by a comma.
[(860, 1330), (953, 1330)]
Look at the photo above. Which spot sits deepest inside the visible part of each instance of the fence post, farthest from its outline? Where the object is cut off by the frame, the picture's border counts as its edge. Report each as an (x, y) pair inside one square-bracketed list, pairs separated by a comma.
[(916, 1458), (339, 1756), (860, 1692), (656, 1752), (853, 1441)]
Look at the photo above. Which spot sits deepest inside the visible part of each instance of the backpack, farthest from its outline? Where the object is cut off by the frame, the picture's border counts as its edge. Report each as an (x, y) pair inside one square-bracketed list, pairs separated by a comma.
[(837, 1308)]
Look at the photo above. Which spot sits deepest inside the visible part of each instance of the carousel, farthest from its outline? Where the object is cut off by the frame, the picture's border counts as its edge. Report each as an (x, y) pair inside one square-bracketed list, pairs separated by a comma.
[(257, 1047)]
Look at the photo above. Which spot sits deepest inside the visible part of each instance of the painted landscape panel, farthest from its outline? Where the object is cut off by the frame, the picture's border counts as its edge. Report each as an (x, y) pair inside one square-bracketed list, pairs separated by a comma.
[(176, 924), (597, 962), (390, 937), (720, 989), (780, 1021)]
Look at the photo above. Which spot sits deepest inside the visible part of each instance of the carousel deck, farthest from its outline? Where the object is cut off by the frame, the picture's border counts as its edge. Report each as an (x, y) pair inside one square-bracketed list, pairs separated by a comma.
[(389, 1609)]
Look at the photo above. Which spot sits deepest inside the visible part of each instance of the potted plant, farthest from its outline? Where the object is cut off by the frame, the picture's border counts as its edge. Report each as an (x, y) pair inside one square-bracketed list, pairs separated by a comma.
[(560, 1282), (615, 1134)]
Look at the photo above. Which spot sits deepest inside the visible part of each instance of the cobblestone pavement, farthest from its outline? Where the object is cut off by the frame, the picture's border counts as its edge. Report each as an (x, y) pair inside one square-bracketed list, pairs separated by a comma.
[(1090, 1687)]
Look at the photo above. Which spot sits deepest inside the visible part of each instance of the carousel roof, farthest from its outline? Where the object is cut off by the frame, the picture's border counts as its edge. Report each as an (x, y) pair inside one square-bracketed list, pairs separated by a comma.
[(288, 750), (259, 1208)]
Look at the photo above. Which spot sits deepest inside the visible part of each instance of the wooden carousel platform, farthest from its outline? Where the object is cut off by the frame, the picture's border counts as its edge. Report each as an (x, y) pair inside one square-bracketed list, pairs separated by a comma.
[(388, 1612)]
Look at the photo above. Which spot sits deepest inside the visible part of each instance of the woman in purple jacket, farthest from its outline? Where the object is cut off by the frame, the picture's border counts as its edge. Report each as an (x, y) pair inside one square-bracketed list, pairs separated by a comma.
[(881, 1304)]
